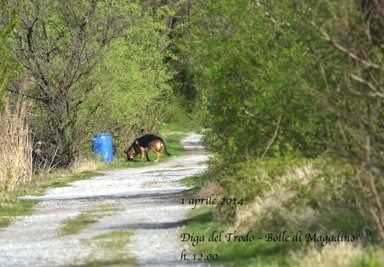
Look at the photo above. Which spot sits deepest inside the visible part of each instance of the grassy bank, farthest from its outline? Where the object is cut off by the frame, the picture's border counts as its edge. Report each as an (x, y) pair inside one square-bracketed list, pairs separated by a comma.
[(11, 205), (294, 212)]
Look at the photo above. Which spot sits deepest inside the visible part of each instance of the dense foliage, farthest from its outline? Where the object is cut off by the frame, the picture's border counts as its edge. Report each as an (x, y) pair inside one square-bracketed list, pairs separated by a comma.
[(8, 20), (254, 68)]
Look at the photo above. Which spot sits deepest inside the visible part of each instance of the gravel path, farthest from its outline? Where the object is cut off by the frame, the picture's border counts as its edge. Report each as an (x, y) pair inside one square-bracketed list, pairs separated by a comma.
[(144, 201)]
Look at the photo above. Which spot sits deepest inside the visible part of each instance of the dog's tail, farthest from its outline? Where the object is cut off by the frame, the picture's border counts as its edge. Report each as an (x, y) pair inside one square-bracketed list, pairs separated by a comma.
[(165, 148)]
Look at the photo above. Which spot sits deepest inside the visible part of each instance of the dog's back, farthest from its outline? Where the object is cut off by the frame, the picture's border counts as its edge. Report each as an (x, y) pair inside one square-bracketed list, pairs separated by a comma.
[(145, 143), (146, 139)]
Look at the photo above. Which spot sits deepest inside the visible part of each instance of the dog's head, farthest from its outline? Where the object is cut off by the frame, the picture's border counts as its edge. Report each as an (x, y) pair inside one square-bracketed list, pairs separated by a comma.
[(130, 154), (131, 151)]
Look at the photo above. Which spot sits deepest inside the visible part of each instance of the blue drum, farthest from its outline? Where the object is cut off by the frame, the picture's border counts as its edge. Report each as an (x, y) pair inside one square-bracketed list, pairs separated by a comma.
[(102, 146)]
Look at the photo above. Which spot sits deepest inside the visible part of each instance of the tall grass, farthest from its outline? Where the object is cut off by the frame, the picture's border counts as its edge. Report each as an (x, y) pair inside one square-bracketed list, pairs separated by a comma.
[(15, 146), (338, 254)]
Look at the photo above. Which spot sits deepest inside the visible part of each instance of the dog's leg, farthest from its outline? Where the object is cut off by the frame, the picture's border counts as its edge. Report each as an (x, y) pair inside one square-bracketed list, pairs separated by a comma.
[(157, 156), (146, 154), (141, 154), (156, 149)]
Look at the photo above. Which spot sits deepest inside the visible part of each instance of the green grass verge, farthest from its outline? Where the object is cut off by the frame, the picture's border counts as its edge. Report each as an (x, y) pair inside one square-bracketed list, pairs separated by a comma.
[(84, 219), (109, 249), (11, 205), (9, 208), (196, 182)]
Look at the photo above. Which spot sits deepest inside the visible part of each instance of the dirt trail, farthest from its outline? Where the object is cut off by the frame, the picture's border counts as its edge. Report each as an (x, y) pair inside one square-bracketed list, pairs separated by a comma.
[(143, 200)]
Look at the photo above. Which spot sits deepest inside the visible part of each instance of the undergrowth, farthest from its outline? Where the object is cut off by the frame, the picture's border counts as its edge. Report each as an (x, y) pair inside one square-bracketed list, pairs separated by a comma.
[(297, 210)]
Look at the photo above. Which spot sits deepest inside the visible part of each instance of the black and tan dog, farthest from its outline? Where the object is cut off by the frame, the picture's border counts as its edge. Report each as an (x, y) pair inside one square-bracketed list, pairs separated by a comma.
[(143, 144)]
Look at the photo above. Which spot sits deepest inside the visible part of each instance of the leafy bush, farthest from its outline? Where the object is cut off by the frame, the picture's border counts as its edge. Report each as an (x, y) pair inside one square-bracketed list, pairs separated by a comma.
[(250, 68)]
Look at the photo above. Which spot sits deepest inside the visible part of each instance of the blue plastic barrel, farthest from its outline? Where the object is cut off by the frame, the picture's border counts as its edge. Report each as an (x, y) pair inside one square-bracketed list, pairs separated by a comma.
[(102, 145)]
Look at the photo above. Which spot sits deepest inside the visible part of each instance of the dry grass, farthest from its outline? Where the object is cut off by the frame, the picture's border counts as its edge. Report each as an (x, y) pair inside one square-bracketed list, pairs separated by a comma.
[(83, 164), (272, 203), (339, 254), (15, 146), (209, 188), (314, 196)]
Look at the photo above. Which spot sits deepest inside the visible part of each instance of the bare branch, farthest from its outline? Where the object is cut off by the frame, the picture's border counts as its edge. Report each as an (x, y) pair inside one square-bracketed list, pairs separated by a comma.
[(22, 93), (370, 85), (274, 135), (344, 50)]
